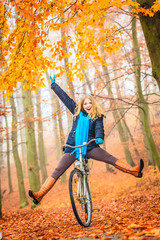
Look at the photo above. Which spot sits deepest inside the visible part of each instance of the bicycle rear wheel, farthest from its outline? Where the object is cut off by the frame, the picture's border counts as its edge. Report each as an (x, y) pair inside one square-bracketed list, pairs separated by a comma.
[(80, 198)]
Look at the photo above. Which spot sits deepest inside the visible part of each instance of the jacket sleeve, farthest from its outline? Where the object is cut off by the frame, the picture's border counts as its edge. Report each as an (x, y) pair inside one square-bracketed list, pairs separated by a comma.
[(99, 129), (68, 102)]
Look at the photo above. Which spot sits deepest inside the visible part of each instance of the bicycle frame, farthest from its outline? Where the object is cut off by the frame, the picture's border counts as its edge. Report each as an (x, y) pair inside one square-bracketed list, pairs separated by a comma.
[(79, 188), (82, 167)]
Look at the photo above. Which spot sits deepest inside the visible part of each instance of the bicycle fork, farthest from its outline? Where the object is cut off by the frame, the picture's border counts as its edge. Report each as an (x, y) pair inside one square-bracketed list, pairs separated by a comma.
[(83, 183)]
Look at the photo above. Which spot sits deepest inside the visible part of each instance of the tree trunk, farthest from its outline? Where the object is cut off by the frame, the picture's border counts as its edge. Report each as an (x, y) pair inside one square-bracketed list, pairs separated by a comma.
[(108, 168), (61, 135), (22, 135), (0, 180), (55, 125), (87, 81), (151, 30), (23, 199), (1, 67), (143, 110), (1, 137), (122, 114), (131, 136), (0, 200), (104, 147), (66, 64), (41, 146), (8, 155), (116, 116), (85, 77), (122, 136), (23, 150), (32, 159), (68, 75)]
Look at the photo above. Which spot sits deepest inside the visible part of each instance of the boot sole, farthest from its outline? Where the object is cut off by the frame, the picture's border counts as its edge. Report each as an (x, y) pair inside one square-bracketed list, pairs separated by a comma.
[(32, 196), (141, 164), (140, 174)]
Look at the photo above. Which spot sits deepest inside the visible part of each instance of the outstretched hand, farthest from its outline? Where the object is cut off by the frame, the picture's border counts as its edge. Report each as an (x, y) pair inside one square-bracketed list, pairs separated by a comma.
[(52, 79), (99, 141)]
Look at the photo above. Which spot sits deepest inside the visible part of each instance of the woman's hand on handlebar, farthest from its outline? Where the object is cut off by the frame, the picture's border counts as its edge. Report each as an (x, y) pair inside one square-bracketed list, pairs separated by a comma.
[(99, 141)]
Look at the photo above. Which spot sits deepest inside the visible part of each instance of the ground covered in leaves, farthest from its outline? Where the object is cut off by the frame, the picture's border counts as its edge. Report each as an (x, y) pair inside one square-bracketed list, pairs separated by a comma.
[(129, 209)]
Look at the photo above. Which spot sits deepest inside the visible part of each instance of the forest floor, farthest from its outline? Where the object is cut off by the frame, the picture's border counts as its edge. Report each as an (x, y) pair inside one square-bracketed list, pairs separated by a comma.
[(129, 209)]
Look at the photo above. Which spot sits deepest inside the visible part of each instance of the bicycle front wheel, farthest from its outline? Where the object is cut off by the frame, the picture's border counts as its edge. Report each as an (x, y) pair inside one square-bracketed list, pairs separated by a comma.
[(80, 198)]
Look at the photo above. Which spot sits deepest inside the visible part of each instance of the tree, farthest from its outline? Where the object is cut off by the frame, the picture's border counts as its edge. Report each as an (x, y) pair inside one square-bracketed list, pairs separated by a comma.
[(32, 158), (23, 199), (21, 127), (61, 136), (0, 177), (0, 201), (58, 127), (34, 21), (126, 129), (143, 107), (8, 153), (68, 75), (86, 18), (54, 119), (41, 146), (150, 25), (121, 129)]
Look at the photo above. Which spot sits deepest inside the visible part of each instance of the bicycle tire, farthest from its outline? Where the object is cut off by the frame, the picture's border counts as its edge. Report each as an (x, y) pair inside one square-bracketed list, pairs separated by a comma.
[(82, 206)]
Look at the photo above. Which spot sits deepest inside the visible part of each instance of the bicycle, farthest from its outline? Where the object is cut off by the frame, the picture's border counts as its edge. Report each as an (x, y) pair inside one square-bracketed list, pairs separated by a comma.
[(79, 188)]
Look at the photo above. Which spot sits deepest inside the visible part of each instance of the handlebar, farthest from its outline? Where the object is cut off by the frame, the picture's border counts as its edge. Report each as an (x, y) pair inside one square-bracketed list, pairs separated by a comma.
[(79, 146)]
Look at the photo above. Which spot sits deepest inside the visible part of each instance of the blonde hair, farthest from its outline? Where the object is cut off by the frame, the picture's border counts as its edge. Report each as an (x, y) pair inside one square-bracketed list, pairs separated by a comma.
[(96, 110)]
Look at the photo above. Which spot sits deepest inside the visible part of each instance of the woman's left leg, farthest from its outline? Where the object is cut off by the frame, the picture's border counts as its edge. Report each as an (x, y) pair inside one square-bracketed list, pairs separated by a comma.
[(101, 155), (64, 163)]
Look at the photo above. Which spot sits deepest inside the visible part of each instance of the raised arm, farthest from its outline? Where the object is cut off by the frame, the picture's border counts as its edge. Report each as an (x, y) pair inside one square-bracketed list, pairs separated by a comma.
[(68, 102)]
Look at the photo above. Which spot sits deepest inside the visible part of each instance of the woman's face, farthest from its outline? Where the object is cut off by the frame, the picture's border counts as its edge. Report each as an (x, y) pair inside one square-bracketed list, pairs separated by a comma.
[(87, 105)]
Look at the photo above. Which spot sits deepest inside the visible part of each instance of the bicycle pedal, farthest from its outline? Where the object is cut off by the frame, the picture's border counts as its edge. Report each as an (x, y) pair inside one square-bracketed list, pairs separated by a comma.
[(96, 210)]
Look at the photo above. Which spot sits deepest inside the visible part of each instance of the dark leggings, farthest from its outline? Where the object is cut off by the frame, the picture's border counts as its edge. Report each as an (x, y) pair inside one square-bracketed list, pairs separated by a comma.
[(68, 159)]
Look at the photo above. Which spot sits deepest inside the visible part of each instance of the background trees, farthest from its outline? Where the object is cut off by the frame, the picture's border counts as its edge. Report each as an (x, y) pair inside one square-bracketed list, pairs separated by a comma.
[(150, 26), (92, 47)]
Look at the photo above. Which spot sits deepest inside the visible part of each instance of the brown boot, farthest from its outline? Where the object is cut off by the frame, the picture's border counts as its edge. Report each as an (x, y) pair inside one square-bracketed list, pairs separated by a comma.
[(135, 171), (47, 185)]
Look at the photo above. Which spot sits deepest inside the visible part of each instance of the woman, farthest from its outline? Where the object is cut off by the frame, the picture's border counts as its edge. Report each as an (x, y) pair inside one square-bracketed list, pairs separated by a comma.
[(87, 124)]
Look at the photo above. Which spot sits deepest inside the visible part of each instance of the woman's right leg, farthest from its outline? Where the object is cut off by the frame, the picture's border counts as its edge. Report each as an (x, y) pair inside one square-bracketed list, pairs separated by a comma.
[(64, 163)]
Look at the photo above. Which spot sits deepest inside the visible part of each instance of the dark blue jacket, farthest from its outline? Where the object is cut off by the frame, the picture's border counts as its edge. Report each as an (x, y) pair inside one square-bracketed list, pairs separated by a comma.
[(96, 129)]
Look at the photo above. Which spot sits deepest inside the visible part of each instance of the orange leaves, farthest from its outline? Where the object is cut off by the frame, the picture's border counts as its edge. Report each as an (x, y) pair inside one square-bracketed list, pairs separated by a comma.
[(35, 41), (148, 9), (127, 210), (27, 42), (59, 51), (155, 8), (76, 7), (128, 217), (25, 58)]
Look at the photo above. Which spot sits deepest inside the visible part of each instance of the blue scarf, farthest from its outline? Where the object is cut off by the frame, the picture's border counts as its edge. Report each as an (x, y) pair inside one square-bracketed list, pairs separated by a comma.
[(81, 134)]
